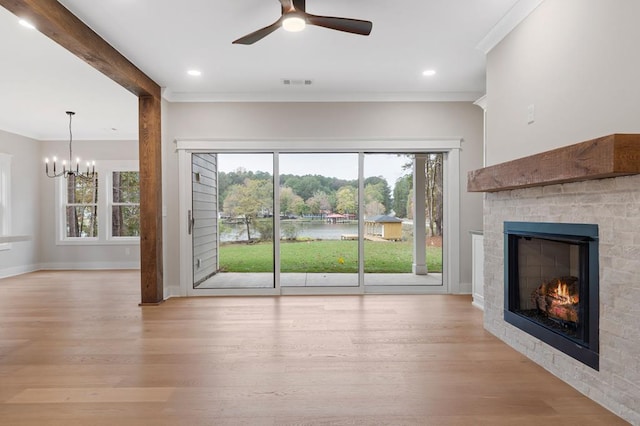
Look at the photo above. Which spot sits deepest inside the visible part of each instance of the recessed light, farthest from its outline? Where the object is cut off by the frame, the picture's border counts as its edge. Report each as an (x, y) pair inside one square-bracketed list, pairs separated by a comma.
[(194, 73), (26, 24), (429, 73)]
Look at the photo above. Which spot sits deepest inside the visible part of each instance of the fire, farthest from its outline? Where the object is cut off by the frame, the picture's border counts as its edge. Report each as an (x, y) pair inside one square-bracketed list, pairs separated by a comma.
[(563, 294), (558, 298)]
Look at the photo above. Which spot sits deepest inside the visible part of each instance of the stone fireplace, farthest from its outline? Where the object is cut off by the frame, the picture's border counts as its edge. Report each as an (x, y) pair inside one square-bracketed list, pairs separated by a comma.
[(590, 187)]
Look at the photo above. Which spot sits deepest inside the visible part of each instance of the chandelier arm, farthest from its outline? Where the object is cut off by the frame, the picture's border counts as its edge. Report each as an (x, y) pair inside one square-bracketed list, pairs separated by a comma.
[(55, 175)]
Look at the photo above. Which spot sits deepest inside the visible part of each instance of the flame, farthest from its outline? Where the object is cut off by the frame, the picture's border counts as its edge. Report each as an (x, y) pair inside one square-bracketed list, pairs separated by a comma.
[(562, 292)]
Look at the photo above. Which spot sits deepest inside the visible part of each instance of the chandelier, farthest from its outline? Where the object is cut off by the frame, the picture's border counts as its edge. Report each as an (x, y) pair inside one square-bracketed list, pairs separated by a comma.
[(69, 170)]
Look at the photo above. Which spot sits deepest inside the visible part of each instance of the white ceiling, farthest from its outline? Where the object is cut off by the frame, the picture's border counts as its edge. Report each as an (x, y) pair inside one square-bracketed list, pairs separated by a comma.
[(165, 38)]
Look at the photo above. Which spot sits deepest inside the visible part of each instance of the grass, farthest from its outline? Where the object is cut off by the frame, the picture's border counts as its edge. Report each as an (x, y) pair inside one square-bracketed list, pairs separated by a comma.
[(325, 256)]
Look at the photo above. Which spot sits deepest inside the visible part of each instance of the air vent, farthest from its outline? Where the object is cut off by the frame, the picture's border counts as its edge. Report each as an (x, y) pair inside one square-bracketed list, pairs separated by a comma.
[(296, 82)]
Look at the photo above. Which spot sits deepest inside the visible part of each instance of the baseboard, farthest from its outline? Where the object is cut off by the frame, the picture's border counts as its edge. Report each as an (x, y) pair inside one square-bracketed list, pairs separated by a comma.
[(465, 288), (478, 301), (87, 266), (18, 270), (173, 291)]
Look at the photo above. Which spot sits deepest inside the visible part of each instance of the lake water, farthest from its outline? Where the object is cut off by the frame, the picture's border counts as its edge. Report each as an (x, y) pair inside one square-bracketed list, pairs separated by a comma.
[(318, 230)]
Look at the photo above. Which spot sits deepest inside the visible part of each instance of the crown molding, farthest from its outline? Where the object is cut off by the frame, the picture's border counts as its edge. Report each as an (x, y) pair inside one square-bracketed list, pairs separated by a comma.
[(98, 136), (481, 102), (171, 96), (509, 21), (7, 128)]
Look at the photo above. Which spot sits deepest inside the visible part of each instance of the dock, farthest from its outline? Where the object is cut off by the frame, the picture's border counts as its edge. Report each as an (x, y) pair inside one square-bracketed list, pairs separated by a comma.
[(351, 237)]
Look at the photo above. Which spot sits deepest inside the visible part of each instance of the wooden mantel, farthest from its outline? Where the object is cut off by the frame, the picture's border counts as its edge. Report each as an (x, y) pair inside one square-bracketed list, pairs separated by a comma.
[(608, 156)]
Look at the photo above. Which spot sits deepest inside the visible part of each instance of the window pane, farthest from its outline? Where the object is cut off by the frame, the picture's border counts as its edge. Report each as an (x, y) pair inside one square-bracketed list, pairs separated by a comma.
[(398, 249), (82, 191), (319, 220), (82, 221), (233, 241), (125, 221), (126, 187)]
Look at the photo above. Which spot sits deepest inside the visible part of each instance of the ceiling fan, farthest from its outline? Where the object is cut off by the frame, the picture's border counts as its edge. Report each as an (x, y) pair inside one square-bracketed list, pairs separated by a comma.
[(295, 18)]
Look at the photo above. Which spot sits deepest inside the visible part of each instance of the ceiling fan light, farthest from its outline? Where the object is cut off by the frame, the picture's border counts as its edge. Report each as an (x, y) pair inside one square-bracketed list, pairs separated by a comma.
[(293, 23)]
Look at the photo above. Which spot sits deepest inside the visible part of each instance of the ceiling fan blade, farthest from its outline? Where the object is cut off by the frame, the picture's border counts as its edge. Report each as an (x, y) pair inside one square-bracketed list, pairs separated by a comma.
[(286, 5), (258, 35), (299, 5), (354, 26)]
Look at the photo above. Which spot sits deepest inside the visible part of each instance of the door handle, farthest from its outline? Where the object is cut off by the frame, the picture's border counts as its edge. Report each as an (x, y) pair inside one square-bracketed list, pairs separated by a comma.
[(191, 220)]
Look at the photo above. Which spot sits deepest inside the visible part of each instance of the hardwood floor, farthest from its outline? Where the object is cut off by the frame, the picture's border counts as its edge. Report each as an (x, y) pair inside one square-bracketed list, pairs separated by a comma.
[(76, 349)]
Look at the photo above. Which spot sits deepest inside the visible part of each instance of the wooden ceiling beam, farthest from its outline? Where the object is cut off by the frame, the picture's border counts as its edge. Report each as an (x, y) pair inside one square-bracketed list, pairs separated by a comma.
[(59, 24), (56, 22)]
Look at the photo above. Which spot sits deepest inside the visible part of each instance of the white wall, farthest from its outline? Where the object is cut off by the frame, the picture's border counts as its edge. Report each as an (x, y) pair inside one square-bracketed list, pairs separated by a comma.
[(321, 121), (25, 203), (578, 62), (54, 256)]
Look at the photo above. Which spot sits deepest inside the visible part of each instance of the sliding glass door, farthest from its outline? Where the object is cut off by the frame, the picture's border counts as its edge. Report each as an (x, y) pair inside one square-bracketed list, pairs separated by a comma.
[(308, 222), (233, 221), (319, 220)]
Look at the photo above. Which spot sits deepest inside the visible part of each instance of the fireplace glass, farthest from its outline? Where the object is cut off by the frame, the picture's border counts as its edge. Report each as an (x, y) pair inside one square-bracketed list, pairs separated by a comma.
[(548, 285), (551, 285)]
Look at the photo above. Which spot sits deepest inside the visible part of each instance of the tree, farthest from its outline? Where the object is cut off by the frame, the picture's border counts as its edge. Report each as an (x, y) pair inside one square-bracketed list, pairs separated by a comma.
[(409, 204), (290, 202), (238, 177), (347, 200), (125, 216), (401, 195), (321, 201), (433, 174), (82, 207), (305, 186), (313, 205), (383, 188), (247, 201), (308, 185), (374, 197), (374, 208)]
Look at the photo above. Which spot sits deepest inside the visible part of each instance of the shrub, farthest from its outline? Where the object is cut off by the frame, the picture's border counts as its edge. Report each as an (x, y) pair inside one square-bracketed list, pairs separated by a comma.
[(290, 230), (264, 228)]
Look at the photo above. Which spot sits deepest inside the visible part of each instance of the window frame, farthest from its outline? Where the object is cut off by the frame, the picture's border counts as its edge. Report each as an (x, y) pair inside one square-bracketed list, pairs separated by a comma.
[(5, 198), (65, 204), (451, 147), (104, 169)]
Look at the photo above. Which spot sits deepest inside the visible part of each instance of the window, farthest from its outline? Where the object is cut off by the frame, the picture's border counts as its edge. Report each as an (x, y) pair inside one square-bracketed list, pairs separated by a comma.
[(81, 207), (103, 210), (125, 204)]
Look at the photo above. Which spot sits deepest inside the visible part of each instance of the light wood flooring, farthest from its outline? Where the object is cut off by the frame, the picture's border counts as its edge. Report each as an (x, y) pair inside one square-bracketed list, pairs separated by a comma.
[(76, 349)]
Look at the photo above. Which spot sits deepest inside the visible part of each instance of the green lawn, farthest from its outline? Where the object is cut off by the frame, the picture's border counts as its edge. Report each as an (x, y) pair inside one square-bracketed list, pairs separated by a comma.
[(325, 256)]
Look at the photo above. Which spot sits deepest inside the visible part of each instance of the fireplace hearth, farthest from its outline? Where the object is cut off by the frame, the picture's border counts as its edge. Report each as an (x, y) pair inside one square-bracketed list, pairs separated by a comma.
[(551, 285)]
